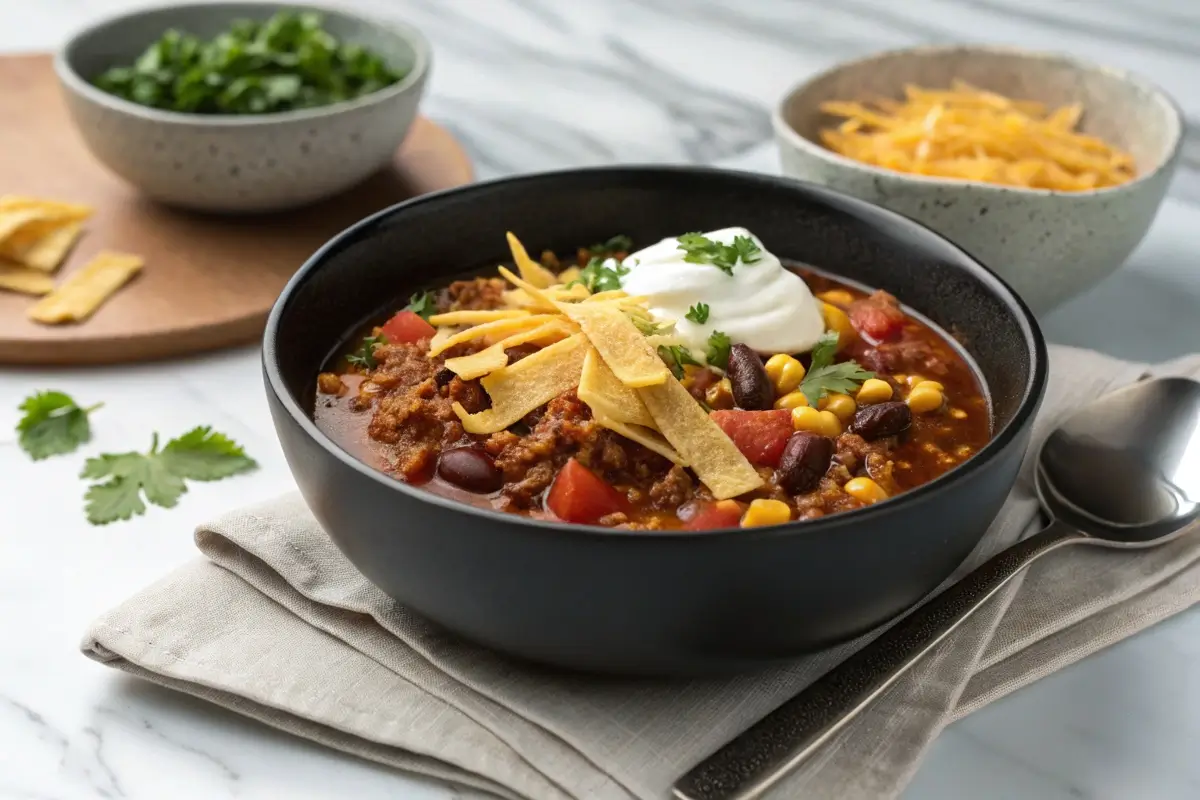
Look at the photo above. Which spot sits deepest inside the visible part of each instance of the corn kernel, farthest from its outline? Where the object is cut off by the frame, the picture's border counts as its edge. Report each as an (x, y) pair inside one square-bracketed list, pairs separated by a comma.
[(824, 423), (865, 489), (837, 321), (766, 512), (720, 394), (874, 391), (923, 399), (841, 406), (784, 372), (958, 413), (792, 400), (837, 297), (912, 380), (931, 385)]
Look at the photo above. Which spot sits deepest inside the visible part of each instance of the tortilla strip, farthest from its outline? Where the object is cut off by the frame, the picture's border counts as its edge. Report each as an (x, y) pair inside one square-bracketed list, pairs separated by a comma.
[(25, 220), (530, 270), (493, 358), (703, 445), (531, 382), (440, 337), (610, 294), (475, 317), (86, 290), (620, 343), (19, 278), (47, 252), (499, 327), (606, 395), (570, 274), (646, 437)]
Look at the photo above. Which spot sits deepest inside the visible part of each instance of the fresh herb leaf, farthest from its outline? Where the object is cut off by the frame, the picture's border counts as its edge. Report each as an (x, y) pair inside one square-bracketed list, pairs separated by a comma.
[(423, 304), (827, 378), (53, 424), (648, 326), (600, 278), (699, 249), (676, 356), (824, 350), (718, 350), (698, 313), (284, 63), (364, 356), (617, 244), (159, 476)]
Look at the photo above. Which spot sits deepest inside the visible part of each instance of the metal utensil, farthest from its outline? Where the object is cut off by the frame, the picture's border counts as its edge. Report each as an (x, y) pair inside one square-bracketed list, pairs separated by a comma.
[(1123, 472)]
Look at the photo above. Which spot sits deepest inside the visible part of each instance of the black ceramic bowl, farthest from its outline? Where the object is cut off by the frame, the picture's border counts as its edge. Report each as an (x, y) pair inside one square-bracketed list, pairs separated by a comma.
[(647, 602)]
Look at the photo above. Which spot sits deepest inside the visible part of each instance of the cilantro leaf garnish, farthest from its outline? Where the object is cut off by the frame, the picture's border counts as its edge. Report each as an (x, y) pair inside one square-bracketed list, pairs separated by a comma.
[(53, 424), (158, 476), (600, 278), (701, 250), (364, 356), (423, 304), (676, 356), (698, 313), (718, 350), (825, 377), (617, 244)]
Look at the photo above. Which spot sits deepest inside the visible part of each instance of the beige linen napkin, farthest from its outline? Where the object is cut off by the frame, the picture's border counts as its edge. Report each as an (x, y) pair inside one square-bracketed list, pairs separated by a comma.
[(277, 625)]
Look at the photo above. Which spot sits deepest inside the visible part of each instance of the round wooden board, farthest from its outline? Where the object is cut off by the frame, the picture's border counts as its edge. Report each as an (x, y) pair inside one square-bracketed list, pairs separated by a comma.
[(209, 281)]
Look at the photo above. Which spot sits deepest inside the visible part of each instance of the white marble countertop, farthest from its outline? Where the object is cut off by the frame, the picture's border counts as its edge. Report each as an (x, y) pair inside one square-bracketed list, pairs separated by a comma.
[(531, 85)]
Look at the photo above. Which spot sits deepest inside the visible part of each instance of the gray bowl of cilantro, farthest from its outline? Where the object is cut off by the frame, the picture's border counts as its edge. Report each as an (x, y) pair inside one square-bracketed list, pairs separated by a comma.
[(243, 107)]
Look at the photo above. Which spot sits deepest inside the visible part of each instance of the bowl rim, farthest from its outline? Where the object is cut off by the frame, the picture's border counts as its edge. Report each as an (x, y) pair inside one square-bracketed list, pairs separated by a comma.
[(1030, 399), (410, 35), (784, 130)]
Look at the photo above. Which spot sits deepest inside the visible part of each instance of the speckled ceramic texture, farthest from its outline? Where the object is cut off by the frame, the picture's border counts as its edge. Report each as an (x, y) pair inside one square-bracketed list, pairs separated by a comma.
[(1050, 246), (251, 163)]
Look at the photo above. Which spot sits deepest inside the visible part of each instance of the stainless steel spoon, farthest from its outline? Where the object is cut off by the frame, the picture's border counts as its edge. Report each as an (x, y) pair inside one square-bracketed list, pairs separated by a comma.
[(1123, 472)]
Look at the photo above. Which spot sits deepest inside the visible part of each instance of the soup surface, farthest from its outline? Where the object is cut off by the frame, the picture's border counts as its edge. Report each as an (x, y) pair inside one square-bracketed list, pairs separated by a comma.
[(870, 403)]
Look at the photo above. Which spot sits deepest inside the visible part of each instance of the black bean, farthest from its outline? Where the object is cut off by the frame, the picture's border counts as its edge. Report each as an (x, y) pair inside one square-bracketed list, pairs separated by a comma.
[(469, 468), (805, 460), (443, 376), (752, 388), (881, 419)]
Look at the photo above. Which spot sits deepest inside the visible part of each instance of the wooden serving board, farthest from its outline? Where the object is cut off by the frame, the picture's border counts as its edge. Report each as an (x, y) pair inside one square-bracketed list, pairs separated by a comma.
[(209, 281)]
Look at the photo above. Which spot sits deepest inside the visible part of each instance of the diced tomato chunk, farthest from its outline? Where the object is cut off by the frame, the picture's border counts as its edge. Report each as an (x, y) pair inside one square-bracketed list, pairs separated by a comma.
[(877, 318), (407, 326), (579, 495), (760, 435), (703, 516)]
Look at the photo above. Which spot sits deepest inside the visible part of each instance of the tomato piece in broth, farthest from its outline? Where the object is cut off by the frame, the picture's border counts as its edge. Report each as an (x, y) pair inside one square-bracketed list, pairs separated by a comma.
[(407, 327), (579, 495), (759, 435)]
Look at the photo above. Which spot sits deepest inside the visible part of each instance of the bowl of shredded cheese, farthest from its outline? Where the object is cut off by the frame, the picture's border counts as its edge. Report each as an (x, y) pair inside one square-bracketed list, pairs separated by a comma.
[(1048, 169)]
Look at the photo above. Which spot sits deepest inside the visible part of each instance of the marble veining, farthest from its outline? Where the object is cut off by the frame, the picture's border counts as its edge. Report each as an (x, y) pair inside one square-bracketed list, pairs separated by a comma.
[(545, 84)]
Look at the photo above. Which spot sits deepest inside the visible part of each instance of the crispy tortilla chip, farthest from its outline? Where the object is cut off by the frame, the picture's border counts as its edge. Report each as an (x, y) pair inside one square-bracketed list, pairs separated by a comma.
[(25, 220), (570, 274), (475, 317), (646, 437), (519, 298), (611, 294), (493, 358), (534, 380), (620, 343), (45, 253), (606, 395), (440, 336), (534, 293), (701, 443), (499, 327), (19, 278), (86, 290), (530, 270)]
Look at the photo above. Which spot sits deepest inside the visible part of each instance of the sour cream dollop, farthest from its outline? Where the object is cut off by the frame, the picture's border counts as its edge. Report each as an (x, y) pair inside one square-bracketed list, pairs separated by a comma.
[(762, 304)]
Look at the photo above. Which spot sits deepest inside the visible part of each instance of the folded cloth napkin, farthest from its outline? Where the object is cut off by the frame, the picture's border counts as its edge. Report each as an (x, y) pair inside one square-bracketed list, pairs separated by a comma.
[(277, 625)]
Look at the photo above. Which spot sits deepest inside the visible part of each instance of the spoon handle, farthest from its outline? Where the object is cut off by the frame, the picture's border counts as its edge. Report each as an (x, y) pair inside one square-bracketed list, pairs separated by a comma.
[(778, 743)]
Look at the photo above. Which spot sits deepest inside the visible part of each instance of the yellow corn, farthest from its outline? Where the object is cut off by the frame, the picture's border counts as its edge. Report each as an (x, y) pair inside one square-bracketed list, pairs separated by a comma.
[(931, 385), (865, 489), (766, 512), (792, 400), (912, 380), (806, 418), (720, 394), (841, 406), (837, 297), (837, 321), (958, 413), (874, 391), (924, 399), (784, 372)]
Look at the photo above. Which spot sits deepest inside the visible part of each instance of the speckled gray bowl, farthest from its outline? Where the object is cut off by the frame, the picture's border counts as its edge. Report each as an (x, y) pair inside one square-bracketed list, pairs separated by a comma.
[(1050, 246), (239, 163)]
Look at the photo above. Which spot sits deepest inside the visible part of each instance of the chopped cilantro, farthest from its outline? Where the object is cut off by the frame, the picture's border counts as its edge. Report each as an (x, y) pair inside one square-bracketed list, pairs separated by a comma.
[(423, 304), (825, 377), (364, 357), (676, 356), (53, 424), (698, 313), (617, 244), (718, 350), (600, 278), (702, 250)]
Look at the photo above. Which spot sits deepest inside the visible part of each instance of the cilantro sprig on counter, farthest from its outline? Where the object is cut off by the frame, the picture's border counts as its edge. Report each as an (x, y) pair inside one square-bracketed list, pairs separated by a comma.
[(699, 249), (53, 424), (158, 476), (825, 377)]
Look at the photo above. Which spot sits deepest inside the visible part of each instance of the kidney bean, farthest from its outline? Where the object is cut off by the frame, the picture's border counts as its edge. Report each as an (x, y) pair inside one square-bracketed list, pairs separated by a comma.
[(805, 459), (469, 468), (881, 419), (752, 388)]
